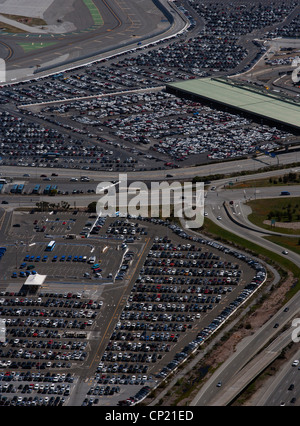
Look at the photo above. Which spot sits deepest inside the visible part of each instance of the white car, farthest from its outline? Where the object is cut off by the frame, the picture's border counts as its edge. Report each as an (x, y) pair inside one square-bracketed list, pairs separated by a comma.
[(295, 363)]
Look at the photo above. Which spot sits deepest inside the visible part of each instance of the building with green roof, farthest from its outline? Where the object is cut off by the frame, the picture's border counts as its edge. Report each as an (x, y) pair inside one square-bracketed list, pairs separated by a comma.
[(254, 102)]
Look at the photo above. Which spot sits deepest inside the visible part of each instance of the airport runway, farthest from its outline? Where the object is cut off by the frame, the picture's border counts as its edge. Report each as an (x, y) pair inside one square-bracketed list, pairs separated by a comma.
[(125, 25)]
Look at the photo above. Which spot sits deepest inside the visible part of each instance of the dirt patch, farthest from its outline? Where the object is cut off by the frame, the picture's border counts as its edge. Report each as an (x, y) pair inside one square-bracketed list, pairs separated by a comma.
[(286, 225)]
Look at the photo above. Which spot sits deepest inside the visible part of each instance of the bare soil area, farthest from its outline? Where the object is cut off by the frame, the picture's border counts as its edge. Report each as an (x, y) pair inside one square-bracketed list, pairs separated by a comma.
[(287, 225)]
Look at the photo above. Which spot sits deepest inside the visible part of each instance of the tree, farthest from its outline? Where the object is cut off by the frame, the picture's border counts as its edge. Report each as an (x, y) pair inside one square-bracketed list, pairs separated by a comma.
[(64, 205), (43, 206), (92, 207)]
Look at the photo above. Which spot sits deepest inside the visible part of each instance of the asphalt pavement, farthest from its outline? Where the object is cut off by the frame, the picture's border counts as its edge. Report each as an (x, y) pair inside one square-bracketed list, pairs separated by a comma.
[(210, 394), (255, 166), (125, 25), (279, 392)]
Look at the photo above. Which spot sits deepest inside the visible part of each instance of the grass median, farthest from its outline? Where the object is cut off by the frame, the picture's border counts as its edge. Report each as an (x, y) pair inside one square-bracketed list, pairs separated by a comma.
[(220, 234), (289, 243), (284, 212)]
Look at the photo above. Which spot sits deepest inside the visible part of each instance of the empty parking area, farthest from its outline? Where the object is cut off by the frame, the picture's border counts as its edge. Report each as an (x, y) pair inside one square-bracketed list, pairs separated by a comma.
[(71, 257)]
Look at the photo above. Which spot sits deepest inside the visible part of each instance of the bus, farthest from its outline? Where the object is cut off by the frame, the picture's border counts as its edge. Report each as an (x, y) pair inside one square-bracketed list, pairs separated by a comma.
[(20, 189), (50, 246), (14, 189), (36, 189), (47, 189)]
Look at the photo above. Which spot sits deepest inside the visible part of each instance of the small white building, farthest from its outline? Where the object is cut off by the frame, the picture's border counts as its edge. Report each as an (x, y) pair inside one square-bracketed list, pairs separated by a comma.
[(34, 282)]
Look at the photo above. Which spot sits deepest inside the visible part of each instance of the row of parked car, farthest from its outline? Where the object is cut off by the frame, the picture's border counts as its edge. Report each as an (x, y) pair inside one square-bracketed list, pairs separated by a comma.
[(157, 316), (184, 128), (34, 337), (14, 388), (44, 332), (214, 49)]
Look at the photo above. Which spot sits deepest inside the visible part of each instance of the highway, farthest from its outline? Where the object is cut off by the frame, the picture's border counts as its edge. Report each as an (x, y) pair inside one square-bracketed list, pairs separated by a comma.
[(235, 374), (247, 165), (232, 374), (279, 391), (124, 26), (227, 374)]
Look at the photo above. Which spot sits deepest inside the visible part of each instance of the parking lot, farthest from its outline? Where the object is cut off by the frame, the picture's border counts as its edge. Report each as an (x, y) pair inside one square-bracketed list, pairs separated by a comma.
[(125, 301), (186, 288), (147, 131), (74, 258), (46, 339), (177, 286), (171, 128), (167, 293)]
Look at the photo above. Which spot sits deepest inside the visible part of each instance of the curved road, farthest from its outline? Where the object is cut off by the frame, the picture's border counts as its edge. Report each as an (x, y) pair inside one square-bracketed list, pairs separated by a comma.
[(210, 394), (227, 374), (125, 24)]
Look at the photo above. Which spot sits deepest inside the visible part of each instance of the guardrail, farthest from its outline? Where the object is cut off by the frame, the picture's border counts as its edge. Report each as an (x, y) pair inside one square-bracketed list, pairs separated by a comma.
[(244, 225)]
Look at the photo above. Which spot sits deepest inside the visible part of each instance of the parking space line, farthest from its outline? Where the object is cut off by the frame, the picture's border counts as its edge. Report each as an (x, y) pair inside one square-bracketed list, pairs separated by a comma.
[(121, 300)]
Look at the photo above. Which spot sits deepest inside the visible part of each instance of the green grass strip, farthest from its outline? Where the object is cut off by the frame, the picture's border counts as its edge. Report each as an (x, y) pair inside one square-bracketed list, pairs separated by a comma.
[(28, 47), (262, 208), (289, 243), (275, 259), (95, 12)]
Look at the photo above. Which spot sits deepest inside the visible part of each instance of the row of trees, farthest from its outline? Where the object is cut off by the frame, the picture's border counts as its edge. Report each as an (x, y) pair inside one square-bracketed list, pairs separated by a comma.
[(286, 214), (63, 206), (288, 178), (44, 206)]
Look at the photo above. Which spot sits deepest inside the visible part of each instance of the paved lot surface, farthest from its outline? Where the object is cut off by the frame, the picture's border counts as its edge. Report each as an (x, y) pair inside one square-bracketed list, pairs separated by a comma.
[(111, 338), (101, 331)]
